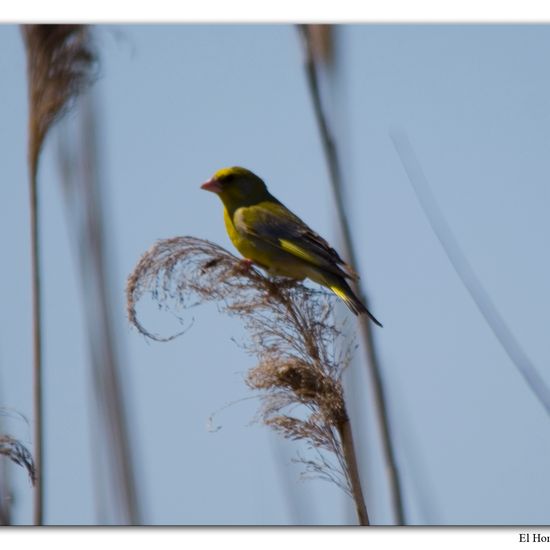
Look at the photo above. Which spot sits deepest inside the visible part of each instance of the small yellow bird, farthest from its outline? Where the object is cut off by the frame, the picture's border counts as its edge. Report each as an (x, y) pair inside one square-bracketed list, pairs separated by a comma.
[(269, 235)]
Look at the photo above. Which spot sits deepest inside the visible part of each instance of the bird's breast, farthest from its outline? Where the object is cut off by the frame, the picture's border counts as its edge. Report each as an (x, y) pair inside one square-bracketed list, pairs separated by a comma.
[(245, 244)]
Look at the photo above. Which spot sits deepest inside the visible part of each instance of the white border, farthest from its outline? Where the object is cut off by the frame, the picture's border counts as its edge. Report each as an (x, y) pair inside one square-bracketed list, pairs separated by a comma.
[(251, 539), (281, 11)]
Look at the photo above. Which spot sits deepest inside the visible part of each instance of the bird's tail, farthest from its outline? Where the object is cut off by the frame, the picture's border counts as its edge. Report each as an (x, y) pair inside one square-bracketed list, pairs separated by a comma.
[(344, 292)]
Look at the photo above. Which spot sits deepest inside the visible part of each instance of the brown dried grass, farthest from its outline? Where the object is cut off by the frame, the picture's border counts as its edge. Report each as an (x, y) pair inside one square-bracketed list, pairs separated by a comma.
[(60, 65), (292, 333), (15, 451)]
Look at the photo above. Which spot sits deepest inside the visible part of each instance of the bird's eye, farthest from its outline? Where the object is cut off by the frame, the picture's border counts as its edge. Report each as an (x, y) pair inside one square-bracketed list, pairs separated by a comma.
[(229, 178)]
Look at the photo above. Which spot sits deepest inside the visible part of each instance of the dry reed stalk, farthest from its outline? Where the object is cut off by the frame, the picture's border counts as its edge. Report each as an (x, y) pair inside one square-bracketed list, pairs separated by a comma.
[(321, 38), (292, 333), (5, 494), (59, 67), (311, 48), (82, 189), (465, 272)]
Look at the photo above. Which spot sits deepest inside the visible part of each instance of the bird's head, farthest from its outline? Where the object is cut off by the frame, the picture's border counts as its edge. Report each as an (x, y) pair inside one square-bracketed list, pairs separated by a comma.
[(237, 187)]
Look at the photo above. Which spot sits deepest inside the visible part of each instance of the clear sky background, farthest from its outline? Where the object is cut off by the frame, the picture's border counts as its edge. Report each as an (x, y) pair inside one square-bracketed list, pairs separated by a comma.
[(177, 102)]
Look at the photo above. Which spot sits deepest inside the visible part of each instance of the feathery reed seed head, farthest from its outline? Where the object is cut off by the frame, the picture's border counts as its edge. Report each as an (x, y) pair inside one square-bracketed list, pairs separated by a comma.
[(292, 333), (19, 454), (60, 64)]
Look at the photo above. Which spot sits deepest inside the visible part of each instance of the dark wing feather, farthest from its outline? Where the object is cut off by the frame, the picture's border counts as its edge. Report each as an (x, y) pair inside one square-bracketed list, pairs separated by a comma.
[(272, 222)]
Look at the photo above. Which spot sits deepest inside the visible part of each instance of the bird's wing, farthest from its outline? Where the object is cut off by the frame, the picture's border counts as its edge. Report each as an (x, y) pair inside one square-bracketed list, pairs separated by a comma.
[(272, 222)]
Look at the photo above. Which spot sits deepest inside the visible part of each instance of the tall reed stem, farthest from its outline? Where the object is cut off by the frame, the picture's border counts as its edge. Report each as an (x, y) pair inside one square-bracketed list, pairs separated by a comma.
[(59, 68), (331, 157), (465, 271), (82, 188), (355, 481), (37, 351)]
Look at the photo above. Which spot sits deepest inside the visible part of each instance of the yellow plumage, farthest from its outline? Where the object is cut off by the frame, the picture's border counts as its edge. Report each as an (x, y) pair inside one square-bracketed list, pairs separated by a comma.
[(264, 231)]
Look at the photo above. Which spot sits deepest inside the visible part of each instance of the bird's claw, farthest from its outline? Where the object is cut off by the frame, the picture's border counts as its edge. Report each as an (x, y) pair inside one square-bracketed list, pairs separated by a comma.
[(245, 265)]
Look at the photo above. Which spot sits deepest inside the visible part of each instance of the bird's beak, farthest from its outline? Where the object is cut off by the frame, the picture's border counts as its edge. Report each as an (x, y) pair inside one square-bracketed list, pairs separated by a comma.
[(212, 185)]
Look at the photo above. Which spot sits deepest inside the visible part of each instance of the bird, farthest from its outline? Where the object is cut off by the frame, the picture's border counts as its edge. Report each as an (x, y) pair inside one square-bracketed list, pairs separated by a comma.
[(270, 236)]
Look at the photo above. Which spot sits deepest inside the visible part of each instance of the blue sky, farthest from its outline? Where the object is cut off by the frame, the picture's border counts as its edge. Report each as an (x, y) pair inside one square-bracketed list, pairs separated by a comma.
[(177, 102)]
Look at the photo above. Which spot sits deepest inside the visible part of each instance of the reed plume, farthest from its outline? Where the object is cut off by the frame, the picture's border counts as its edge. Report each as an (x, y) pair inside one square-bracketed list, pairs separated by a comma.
[(15, 451), (292, 333), (60, 66)]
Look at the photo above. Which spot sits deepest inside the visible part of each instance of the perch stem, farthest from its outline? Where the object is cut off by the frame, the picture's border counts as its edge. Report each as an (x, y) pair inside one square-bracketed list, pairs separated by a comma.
[(346, 438), (373, 366)]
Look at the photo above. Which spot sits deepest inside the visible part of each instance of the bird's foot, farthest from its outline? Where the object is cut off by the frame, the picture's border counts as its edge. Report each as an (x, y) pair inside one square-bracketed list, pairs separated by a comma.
[(245, 265)]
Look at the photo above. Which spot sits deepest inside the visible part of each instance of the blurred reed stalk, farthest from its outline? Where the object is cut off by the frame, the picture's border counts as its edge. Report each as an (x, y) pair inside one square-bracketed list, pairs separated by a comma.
[(300, 349), (5, 494), (5, 486), (82, 189), (5, 481), (465, 272), (59, 68), (316, 42)]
